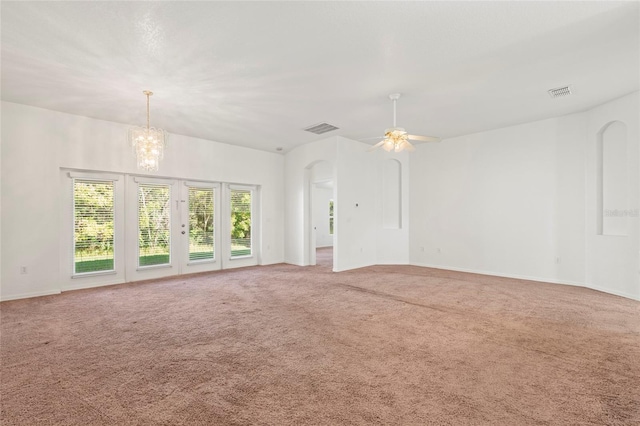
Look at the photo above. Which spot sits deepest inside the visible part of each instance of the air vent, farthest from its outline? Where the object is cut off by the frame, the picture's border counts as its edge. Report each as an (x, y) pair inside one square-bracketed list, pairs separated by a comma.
[(321, 128), (560, 91)]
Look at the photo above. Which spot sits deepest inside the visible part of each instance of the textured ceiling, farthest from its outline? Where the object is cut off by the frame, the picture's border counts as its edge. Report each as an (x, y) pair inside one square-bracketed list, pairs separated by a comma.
[(257, 73)]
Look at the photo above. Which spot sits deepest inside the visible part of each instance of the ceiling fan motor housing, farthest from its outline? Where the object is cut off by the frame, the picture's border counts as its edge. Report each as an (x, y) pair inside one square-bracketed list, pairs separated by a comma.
[(395, 130)]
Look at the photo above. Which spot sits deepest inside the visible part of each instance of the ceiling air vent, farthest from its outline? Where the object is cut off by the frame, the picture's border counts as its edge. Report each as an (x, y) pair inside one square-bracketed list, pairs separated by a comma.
[(560, 91), (321, 128)]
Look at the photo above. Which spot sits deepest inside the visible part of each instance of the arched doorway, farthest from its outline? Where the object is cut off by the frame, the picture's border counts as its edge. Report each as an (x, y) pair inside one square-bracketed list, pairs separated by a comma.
[(319, 209)]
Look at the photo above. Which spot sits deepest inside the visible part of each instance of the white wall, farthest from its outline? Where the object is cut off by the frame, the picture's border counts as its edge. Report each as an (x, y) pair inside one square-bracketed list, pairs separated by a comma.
[(503, 202), (613, 261), (520, 202), (360, 239), (393, 243), (613, 178), (0, 199), (298, 168), (356, 206), (37, 143)]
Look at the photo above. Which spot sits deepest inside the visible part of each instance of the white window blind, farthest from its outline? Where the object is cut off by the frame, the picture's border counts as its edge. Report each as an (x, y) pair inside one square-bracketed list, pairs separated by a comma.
[(93, 215), (154, 224), (201, 224), (240, 223)]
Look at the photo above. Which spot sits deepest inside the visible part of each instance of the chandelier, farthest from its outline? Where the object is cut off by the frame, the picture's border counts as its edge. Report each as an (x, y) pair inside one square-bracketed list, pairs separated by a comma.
[(148, 143)]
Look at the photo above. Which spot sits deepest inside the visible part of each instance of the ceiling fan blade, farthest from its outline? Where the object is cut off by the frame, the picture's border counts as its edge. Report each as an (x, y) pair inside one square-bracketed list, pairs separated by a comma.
[(424, 138), (375, 146), (409, 147)]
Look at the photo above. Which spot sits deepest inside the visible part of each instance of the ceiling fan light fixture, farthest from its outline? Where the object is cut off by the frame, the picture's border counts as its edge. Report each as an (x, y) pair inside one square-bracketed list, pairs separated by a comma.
[(396, 138), (388, 145)]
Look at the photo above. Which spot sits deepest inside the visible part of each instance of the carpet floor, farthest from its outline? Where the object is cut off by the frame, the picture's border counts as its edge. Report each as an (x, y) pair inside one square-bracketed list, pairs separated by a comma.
[(285, 345)]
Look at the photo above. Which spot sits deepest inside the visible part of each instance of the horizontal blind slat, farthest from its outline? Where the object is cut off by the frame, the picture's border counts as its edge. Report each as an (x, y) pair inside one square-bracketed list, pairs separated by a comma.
[(241, 244), (201, 223), (93, 225), (154, 222)]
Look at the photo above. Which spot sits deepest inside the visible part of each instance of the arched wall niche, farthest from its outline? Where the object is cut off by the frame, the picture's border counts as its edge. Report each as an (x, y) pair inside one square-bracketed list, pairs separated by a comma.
[(612, 179)]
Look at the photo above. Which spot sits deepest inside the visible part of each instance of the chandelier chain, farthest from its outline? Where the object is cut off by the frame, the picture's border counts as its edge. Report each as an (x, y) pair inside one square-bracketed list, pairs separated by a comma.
[(148, 93)]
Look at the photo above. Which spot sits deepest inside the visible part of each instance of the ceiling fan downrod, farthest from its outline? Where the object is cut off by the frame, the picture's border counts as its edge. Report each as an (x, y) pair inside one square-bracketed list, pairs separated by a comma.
[(394, 97)]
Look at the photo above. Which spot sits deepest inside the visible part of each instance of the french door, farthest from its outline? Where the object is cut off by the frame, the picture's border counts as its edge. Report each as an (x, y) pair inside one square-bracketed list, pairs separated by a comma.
[(119, 228), (178, 227)]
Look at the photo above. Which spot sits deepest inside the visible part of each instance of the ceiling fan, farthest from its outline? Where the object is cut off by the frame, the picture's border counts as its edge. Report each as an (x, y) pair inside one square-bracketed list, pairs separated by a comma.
[(396, 138)]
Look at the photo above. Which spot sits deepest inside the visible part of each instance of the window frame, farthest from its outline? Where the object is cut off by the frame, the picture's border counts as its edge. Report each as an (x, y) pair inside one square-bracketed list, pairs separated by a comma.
[(96, 177), (158, 183), (251, 190), (215, 189)]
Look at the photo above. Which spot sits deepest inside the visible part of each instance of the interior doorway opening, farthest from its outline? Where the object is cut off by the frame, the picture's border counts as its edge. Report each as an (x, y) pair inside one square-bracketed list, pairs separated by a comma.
[(324, 257), (320, 210)]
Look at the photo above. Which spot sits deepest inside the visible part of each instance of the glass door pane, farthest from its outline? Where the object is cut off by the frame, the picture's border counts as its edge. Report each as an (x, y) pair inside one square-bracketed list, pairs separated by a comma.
[(93, 211), (154, 225), (201, 224), (240, 223)]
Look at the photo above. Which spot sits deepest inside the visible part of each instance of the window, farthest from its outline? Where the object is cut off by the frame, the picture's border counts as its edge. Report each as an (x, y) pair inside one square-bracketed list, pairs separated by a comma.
[(201, 224), (154, 220), (240, 223), (93, 215), (330, 217)]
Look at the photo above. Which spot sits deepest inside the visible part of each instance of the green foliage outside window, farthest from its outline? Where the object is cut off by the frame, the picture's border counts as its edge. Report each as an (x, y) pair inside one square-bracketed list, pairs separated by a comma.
[(154, 224), (201, 215), (93, 226), (240, 223)]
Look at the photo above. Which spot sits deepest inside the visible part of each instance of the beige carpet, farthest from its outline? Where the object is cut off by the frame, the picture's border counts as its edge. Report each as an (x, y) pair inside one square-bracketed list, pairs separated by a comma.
[(282, 345)]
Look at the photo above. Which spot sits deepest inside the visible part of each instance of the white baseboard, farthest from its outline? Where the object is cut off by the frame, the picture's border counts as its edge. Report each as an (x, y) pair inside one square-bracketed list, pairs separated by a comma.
[(616, 293), (81, 286), (28, 295), (425, 265), (503, 275), (354, 266), (529, 278)]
